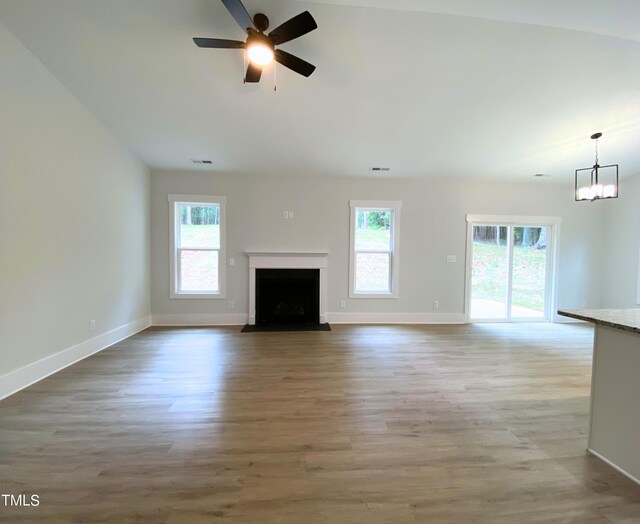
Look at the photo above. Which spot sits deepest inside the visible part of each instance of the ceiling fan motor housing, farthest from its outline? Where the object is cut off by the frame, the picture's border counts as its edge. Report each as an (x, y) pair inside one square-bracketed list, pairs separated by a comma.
[(261, 22)]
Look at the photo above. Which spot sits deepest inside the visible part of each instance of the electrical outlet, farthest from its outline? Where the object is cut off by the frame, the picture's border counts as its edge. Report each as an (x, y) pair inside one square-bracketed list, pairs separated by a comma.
[(232, 304), (343, 304), (92, 325), (436, 304), (451, 258), (232, 261), (285, 214)]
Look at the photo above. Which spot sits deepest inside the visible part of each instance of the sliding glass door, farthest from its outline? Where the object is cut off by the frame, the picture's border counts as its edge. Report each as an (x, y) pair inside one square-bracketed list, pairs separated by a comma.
[(490, 272), (529, 263), (510, 272)]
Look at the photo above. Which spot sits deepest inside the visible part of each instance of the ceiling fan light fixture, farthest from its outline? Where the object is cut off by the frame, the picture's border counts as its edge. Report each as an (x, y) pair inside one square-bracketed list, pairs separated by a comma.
[(259, 47), (260, 54)]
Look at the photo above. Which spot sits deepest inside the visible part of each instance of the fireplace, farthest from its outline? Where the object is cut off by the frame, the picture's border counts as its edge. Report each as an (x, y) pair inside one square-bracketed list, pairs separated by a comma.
[(281, 263), (287, 296)]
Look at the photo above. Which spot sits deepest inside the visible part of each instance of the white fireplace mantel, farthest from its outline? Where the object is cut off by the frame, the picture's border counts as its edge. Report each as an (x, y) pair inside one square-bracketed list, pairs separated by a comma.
[(285, 260)]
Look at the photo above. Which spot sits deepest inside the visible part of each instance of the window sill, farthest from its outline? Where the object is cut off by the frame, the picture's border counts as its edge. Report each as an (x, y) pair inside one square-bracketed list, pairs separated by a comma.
[(373, 295), (198, 296)]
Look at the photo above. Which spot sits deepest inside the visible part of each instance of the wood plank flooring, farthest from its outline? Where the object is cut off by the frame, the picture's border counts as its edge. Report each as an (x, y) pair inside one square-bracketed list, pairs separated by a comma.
[(443, 424)]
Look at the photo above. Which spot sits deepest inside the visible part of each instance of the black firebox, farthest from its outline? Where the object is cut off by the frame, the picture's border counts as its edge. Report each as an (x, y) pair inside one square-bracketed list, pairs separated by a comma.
[(287, 296)]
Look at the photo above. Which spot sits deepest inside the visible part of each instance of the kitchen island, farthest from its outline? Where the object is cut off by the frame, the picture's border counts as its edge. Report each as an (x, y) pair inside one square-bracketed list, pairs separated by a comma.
[(614, 424)]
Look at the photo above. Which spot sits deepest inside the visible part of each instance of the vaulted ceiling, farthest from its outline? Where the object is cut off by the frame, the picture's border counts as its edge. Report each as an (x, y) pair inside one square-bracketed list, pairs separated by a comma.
[(460, 88)]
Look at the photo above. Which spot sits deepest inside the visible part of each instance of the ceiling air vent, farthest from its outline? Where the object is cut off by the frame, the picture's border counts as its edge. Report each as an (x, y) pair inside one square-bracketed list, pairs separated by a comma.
[(197, 161), (380, 169)]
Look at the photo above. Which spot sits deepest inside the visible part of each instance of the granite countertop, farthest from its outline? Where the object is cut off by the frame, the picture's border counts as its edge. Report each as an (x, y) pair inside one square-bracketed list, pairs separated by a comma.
[(626, 319)]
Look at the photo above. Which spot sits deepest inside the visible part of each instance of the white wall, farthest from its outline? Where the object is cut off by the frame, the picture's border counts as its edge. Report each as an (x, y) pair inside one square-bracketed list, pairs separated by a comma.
[(74, 219), (621, 243), (433, 226)]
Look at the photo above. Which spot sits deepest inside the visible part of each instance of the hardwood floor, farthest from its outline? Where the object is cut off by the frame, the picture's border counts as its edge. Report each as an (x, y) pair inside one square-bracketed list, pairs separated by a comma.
[(443, 424)]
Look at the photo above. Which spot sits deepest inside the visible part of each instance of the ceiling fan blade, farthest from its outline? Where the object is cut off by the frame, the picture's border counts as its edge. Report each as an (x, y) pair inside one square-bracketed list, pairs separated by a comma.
[(239, 13), (254, 72), (293, 28), (218, 43), (294, 63)]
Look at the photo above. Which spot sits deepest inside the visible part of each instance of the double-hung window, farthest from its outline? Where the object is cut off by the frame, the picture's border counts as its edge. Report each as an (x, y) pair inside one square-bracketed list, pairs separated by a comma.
[(197, 264), (375, 240)]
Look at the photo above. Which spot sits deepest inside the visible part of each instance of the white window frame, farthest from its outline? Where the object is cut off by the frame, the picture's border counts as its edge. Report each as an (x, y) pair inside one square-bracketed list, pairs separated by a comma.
[(174, 251), (395, 207)]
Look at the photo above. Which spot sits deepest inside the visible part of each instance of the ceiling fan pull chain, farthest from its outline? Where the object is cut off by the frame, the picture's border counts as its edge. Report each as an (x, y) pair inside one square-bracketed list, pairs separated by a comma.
[(275, 78), (244, 66)]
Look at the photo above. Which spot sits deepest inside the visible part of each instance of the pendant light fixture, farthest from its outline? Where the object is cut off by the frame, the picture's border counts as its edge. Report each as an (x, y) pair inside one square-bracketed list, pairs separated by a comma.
[(597, 182)]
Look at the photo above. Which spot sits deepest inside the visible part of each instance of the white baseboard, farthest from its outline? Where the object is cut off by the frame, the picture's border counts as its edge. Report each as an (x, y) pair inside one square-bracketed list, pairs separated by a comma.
[(239, 319), (229, 319), (396, 318), (23, 377), (617, 468)]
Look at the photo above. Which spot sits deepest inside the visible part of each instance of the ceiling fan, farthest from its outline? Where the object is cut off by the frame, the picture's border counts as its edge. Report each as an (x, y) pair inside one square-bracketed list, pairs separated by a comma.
[(261, 47)]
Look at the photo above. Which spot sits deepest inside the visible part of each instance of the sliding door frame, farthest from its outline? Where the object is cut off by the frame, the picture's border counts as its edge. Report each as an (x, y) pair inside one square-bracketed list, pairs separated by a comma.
[(551, 269)]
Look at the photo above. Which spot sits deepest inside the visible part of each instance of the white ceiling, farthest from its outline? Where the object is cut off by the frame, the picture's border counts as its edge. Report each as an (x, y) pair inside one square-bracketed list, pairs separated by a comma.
[(613, 18), (468, 88)]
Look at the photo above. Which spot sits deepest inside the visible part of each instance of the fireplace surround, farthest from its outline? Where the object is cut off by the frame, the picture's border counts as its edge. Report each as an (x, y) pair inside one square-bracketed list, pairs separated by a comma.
[(286, 261)]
